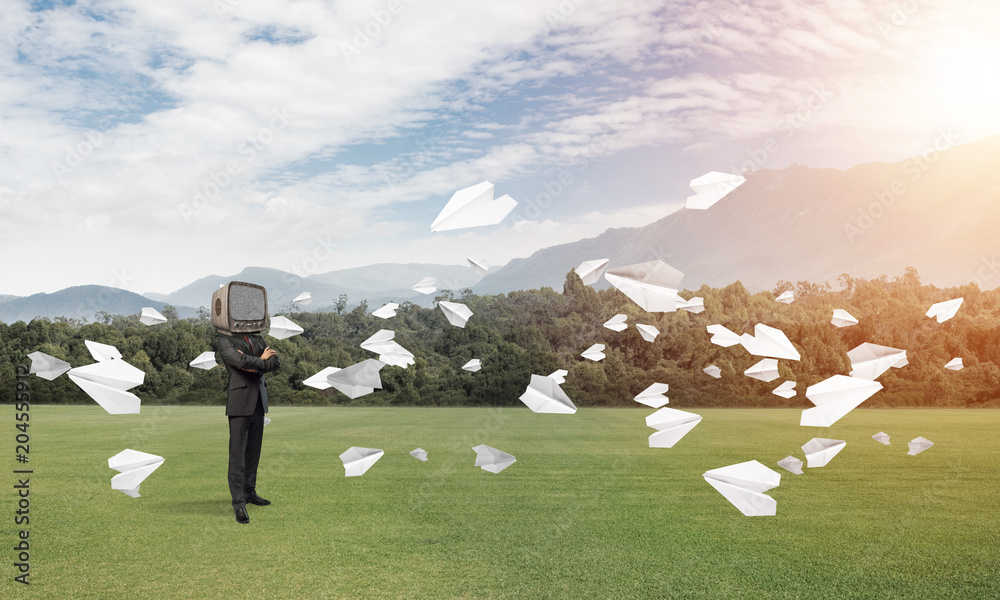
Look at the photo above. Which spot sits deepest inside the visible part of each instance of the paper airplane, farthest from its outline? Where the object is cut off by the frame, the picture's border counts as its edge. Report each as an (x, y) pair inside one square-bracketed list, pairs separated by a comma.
[(150, 316), (544, 395), (356, 380), (652, 285), (722, 336), (881, 437), (282, 327), (47, 367), (712, 187), (653, 395), (918, 445), (595, 352), (205, 360), (944, 310), (766, 370), (591, 270), (713, 370), (559, 376), (671, 425), (358, 460), (133, 468), (785, 390), (479, 265), (820, 451), (267, 421), (456, 312), (102, 352), (868, 361), (842, 318), (473, 365), (492, 460), (109, 380), (303, 298), (955, 364), (389, 352), (786, 297), (419, 454), (694, 305), (617, 322), (834, 397), (790, 463), (387, 310), (320, 380), (473, 207), (769, 342), (427, 285), (648, 332), (744, 485)]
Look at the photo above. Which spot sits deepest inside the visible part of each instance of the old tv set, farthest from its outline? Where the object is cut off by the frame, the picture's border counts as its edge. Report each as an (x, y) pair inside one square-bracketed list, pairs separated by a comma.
[(240, 307)]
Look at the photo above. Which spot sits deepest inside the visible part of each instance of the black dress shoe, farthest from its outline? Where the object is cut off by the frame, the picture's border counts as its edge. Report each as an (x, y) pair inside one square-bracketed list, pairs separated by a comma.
[(255, 499), (241, 515)]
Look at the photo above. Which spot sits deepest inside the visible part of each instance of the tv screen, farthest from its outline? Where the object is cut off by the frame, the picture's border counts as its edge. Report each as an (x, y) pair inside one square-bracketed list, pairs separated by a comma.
[(240, 307)]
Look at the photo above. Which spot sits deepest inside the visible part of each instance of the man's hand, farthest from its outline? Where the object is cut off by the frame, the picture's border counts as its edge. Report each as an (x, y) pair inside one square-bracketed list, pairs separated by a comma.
[(268, 353)]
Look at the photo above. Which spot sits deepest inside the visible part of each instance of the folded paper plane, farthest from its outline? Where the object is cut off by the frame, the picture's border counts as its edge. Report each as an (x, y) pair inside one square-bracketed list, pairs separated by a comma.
[(744, 485), (694, 305), (712, 187), (820, 451), (790, 463), (389, 352), (591, 270), (492, 460), (766, 370), (842, 318), (713, 370), (358, 460), (617, 322), (881, 437), (283, 327), (769, 342), (320, 380), (545, 396), (102, 352), (786, 297), (943, 311), (955, 364), (150, 316), (303, 298), (205, 360), (652, 285), (868, 361), (108, 382), (595, 352), (918, 445), (473, 207), (653, 395), (456, 313), (419, 454), (670, 425), (358, 379), (47, 367), (559, 376), (785, 390), (473, 365), (427, 285), (648, 332), (388, 310), (133, 468), (722, 336), (267, 420), (834, 397), (478, 265)]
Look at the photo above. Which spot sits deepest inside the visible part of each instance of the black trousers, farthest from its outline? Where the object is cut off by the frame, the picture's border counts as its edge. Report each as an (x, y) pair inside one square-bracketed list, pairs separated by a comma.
[(245, 435)]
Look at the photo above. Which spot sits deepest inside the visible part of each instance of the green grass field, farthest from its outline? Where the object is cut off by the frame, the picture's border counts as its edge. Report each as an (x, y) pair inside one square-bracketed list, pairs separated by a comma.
[(587, 511)]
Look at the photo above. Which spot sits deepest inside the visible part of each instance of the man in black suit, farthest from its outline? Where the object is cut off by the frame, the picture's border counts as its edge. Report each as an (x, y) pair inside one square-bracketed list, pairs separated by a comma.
[(247, 358)]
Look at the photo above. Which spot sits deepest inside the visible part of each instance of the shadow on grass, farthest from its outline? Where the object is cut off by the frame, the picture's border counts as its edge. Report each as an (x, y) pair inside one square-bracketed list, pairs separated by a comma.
[(211, 508)]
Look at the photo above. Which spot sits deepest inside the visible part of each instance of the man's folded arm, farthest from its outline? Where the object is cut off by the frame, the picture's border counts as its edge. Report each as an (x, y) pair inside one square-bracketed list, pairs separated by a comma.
[(236, 359)]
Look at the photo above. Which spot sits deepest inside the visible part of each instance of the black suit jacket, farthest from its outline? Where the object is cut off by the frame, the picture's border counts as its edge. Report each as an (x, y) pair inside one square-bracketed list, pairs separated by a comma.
[(245, 387)]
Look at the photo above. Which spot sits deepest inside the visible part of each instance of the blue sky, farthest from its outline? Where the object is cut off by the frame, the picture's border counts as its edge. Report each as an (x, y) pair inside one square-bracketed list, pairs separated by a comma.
[(119, 120)]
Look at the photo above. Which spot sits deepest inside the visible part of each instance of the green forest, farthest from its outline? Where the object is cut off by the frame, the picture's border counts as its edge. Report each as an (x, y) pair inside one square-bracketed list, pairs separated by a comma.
[(539, 331)]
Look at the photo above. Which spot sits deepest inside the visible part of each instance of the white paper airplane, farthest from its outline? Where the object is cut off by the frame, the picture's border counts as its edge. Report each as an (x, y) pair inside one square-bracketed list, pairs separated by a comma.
[(102, 352), (133, 468), (790, 463), (694, 305), (820, 451), (283, 327), (652, 285), (47, 367), (590, 271), (785, 390), (205, 360), (150, 316), (473, 365), (842, 318), (834, 397), (419, 454), (109, 380), (617, 322), (955, 364), (492, 460), (358, 460), (868, 361), (303, 298), (389, 351), (358, 379), (479, 265), (387, 310), (320, 380), (786, 297), (918, 445), (769, 342), (473, 207), (559, 376), (456, 313), (595, 352), (544, 395), (712, 187), (671, 425), (267, 421), (653, 395), (722, 336), (881, 437), (766, 370), (713, 370), (648, 332), (744, 485), (427, 285), (944, 310)]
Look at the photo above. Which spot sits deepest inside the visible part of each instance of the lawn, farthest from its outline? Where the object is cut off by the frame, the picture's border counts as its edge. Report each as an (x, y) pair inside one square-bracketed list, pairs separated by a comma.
[(587, 511)]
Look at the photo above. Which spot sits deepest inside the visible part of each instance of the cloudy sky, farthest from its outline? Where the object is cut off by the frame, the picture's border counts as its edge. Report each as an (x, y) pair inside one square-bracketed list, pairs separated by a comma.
[(146, 144)]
